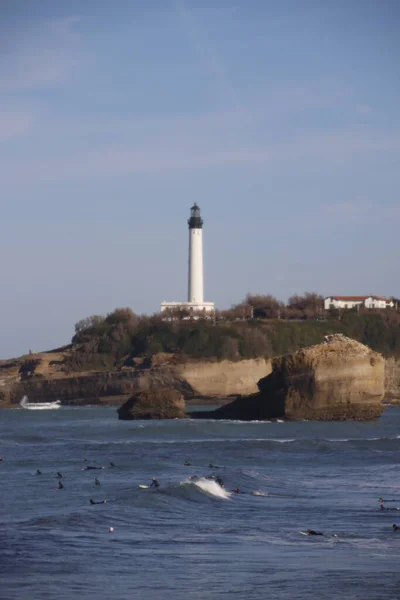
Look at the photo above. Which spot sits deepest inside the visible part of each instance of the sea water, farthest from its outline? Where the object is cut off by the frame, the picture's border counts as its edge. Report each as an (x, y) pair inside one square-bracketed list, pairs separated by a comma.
[(191, 538)]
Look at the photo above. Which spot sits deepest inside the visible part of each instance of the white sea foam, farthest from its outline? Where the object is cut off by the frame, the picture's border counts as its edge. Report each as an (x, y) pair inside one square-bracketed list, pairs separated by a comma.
[(241, 422), (211, 487), (372, 439), (277, 440), (223, 440)]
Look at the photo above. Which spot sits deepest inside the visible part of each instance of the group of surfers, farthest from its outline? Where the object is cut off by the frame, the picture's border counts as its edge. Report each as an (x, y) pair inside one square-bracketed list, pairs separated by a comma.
[(155, 484)]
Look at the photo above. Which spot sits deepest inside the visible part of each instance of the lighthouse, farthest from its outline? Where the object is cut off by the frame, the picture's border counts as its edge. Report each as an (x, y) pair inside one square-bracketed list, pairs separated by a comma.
[(195, 287), (195, 304)]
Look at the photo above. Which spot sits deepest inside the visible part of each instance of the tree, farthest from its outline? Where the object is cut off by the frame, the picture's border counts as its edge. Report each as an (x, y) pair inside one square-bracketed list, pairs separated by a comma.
[(310, 303), (88, 323), (121, 315), (264, 306)]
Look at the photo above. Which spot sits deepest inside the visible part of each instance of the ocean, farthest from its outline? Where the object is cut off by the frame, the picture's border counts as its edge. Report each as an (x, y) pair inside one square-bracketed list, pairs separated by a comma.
[(191, 538)]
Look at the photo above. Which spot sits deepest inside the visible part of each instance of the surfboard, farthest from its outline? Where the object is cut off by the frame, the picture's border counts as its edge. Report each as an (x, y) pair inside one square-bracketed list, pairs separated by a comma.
[(303, 532), (144, 487)]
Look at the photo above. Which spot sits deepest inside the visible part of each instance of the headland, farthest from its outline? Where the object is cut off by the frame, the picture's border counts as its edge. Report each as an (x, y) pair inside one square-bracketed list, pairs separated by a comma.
[(112, 358)]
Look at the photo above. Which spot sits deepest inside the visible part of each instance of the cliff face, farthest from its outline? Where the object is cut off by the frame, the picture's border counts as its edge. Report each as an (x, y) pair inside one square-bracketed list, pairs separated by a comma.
[(340, 379), (191, 379), (330, 380), (225, 378), (392, 380)]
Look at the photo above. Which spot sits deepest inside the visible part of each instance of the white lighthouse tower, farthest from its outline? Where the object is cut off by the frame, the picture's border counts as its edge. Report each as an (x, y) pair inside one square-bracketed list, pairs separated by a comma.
[(195, 289), (195, 303)]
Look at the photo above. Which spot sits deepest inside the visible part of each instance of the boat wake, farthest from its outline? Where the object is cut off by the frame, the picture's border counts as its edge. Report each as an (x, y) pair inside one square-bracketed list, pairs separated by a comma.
[(39, 405)]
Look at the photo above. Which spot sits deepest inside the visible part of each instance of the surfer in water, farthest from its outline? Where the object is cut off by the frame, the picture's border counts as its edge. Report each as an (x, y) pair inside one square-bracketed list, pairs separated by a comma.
[(60, 486), (389, 508), (217, 478), (92, 468), (38, 472), (382, 500), (59, 476), (97, 482), (237, 491), (312, 532), (395, 527), (100, 501), (211, 466), (187, 464), (154, 483), (112, 464)]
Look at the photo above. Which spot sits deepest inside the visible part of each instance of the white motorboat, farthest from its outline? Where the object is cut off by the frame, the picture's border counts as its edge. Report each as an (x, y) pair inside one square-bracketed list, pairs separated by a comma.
[(39, 405)]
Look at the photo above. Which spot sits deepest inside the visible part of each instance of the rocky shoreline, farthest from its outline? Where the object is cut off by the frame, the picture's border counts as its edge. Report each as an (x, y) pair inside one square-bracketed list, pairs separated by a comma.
[(42, 377), (200, 381), (338, 380)]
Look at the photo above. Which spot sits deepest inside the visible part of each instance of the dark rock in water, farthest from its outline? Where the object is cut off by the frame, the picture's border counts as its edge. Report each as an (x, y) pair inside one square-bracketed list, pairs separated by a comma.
[(163, 403), (244, 408), (337, 380)]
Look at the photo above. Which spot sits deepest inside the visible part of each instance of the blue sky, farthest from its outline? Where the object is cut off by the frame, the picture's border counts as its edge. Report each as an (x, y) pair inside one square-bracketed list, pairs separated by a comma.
[(280, 119)]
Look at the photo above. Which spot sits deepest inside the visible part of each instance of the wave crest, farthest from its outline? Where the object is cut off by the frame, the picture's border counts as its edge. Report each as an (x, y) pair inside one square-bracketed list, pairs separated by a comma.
[(211, 487)]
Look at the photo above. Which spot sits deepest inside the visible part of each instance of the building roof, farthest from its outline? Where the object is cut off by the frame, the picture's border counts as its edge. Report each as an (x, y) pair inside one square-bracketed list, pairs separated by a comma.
[(358, 298)]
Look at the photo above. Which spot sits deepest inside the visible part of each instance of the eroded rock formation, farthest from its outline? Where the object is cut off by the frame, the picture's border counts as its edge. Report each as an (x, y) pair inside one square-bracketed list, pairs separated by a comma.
[(392, 380), (164, 403), (339, 379), (46, 381)]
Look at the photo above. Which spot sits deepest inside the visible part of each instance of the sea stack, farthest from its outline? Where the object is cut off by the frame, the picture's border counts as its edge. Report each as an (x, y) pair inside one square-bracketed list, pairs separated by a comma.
[(337, 380), (162, 403)]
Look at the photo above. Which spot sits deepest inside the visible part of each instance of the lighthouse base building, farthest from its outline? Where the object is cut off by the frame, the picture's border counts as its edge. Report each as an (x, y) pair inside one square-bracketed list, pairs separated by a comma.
[(195, 305), (191, 307)]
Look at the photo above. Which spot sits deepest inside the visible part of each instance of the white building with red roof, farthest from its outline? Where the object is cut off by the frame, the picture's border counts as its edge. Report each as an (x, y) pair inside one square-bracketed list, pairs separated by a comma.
[(357, 302)]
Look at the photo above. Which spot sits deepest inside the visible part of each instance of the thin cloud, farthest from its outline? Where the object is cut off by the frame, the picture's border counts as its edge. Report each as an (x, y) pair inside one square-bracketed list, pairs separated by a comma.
[(159, 156), (15, 124), (207, 53), (363, 109), (44, 55), (359, 211)]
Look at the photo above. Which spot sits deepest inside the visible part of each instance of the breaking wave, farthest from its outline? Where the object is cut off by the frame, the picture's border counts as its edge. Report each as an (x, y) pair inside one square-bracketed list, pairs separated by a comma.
[(211, 487)]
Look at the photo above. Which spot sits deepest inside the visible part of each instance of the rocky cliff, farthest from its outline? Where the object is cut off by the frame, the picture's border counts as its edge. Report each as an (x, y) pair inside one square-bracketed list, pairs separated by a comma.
[(339, 379), (163, 403), (392, 380), (224, 378), (41, 378)]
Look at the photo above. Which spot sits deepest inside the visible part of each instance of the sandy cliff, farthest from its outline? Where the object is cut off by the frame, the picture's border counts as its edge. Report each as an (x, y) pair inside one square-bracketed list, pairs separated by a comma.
[(340, 379), (41, 378), (392, 380), (224, 378)]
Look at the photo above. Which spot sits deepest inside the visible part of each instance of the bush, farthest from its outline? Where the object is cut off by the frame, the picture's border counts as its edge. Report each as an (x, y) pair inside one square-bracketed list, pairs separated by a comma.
[(106, 343)]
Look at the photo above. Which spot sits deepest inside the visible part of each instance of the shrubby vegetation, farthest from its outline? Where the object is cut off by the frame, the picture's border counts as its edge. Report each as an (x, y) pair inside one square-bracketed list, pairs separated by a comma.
[(260, 326), (308, 306)]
